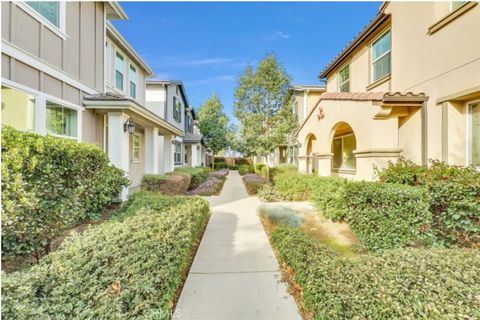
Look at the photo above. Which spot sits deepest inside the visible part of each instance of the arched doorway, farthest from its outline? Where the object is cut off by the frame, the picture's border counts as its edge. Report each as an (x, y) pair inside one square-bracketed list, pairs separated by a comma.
[(343, 145), (311, 147)]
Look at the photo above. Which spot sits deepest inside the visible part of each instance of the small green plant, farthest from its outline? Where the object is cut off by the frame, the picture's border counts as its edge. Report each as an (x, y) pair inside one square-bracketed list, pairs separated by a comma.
[(245, 168)]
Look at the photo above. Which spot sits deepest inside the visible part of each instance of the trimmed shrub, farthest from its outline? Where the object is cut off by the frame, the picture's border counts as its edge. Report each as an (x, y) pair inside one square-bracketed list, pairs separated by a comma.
[(232, 167), (254, 182), (50, 184), (268, 193), (198, 175), (454, 197), (294, 186), (220, 165), (213, 185), (282, 168), (116, 270), (258, 168), (382, 216), (396, 284), (169, 184), (245, 168)]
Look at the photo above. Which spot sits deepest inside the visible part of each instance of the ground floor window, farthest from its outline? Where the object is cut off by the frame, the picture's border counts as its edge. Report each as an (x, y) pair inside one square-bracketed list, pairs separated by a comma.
[(342, 149), (61, 120), (177, 155), (136, 147), (474, 139), (18, 109)]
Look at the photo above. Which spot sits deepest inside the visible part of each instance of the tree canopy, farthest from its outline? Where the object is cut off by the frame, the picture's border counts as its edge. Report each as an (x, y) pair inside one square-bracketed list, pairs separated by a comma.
[(263, 106), (213, 123)]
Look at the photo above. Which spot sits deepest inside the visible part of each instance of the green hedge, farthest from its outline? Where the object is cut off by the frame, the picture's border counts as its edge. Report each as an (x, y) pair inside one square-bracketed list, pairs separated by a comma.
[(169, 184), (253, 183), (116, 270), (396, 284), (454, 197), (294, 186), (258, 167), (198, 175), (382, 216), (50, 184), (220, 165), (245, 168)]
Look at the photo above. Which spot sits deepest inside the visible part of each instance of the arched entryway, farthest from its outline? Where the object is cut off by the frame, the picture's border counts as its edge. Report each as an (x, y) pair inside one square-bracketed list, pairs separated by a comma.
[(343, 145), (311, 151)]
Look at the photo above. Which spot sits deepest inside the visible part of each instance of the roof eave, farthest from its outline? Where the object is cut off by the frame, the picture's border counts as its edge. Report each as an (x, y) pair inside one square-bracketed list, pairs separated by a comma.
[(371, 27), (117, 12)]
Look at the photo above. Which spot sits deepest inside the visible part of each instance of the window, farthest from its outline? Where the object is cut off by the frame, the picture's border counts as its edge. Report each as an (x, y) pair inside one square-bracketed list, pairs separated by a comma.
[(342, 149), (61, 120), (189, 124), (474, 139), (454, 5), (381, 57), (47, 9), (344, 79), (177, 108), (18, 109), (136, 147), (177, 155), (132, 76), (119, 71)]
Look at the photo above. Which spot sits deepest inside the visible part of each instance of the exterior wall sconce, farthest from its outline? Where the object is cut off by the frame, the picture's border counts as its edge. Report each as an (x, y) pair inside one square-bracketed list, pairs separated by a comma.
[(129, 127)]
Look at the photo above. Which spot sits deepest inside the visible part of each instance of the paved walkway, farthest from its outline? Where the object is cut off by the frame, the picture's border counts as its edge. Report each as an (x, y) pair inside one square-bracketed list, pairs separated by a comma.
[(235, 274)]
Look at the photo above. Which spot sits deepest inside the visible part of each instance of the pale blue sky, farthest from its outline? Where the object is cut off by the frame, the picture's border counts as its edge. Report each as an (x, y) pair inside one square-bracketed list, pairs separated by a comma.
[(207, 45)]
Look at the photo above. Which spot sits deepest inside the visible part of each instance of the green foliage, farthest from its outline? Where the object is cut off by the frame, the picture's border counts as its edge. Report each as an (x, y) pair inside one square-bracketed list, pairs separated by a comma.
[(454, 197), (198, 175), (213, 124), (245, 168), (294, 186), (50, 184), (263, 107), (280, 215), (396, 284), (268, 193), (382, 216), (232, 167), (258, 167), (282, 168), (116, 270), (174, 183), (220, 165), (253, 183)]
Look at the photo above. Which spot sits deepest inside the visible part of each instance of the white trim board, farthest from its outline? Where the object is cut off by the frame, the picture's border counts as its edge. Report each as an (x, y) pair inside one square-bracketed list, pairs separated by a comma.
[(29, 59)]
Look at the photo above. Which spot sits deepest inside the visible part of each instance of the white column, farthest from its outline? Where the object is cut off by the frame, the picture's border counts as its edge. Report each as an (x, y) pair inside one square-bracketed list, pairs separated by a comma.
[(161, 154), (118, 144), (194, 155), (151, 150)]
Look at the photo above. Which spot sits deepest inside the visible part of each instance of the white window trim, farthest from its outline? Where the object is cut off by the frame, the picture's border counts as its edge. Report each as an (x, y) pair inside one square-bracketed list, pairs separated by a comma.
[(340, 84), (469, 152), (125, 63), (372, 80), (61, 30), (354, 169), (139, 160), (41, 109), (175, 143)]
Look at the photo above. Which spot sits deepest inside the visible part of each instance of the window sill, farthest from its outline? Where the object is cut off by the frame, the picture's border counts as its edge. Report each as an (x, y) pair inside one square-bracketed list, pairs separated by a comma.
[(450, 17), (379, 82)]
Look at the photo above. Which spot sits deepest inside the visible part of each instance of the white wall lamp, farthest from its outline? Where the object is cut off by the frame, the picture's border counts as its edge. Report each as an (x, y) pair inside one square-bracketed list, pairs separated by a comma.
[(129, 127)]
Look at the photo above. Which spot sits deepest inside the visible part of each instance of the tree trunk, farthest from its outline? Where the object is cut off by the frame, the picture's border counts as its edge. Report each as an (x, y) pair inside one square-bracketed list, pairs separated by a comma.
[(213, 161), (267, 167)]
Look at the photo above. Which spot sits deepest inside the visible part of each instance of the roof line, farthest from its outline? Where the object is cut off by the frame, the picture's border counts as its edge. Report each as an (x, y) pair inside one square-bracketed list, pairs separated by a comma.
[(376, 22), (118, 37), (175, 82)]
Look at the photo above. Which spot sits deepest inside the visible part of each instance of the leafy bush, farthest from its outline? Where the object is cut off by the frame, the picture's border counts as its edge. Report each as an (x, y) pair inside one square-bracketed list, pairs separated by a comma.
[(254, 182), (396, 284), (386, 216), (282, 168), (294, 186), (198, 175), (169, 184), (258, 168), (220, 165), (245, 168), (268, 193), (223, 173), (454, 197), (116, 270), (213, 185), (232, 167), (50, 184)]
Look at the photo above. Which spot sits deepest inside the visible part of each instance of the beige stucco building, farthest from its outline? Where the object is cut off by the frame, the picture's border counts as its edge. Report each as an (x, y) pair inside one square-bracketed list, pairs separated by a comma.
[(407, 85)]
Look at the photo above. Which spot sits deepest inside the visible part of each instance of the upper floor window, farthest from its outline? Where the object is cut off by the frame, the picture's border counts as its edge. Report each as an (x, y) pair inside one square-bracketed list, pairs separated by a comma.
[(381, 56), (18, 109), (50, 10), (177, 108), (454, 5), (344, 79), (474, 134), (119, 70), (133, 81), (61, 120)]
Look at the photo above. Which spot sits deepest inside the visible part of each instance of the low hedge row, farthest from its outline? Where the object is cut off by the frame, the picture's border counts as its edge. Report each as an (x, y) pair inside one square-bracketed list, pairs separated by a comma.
[(244, 168), (396, 284), (128, 269), (454, 197), (213, 185), (220, 165), (198, 175), (169, 184), (50, 184), (253, 183)]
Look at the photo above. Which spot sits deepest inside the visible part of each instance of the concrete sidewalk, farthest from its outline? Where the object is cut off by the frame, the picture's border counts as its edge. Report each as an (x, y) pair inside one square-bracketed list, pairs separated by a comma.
[(235, 274)]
